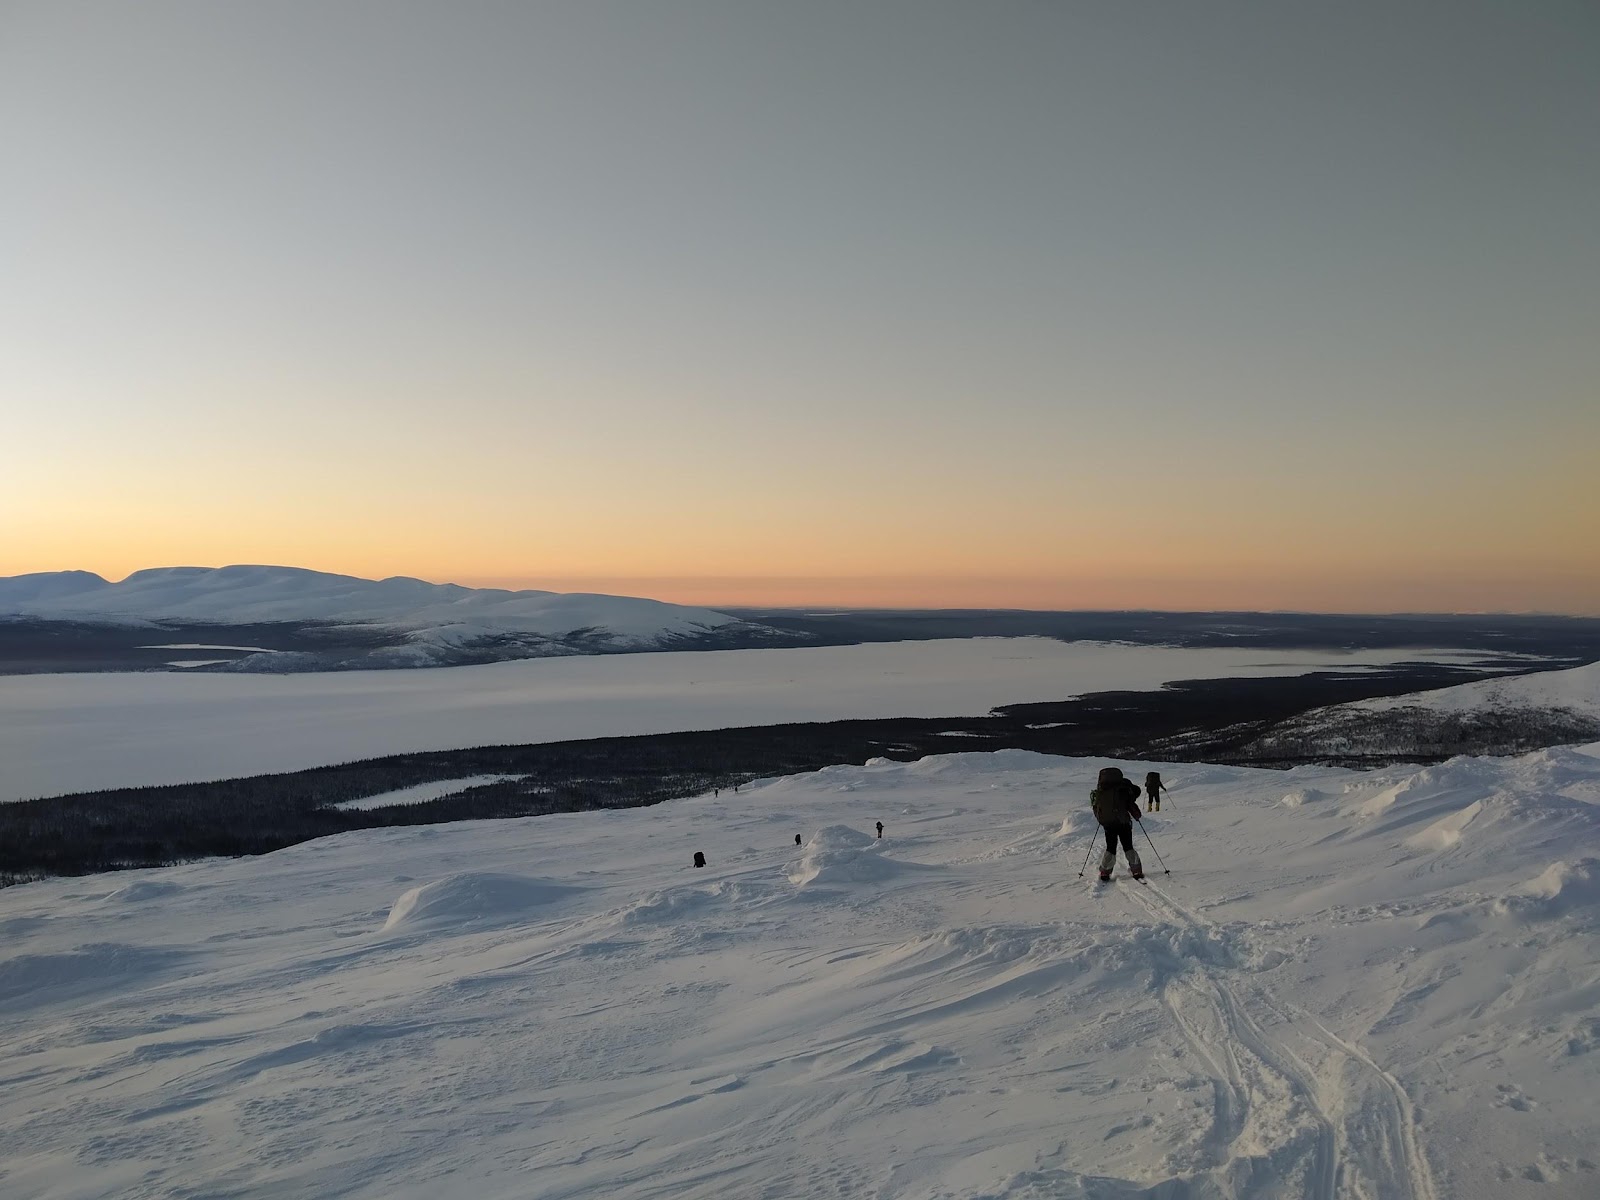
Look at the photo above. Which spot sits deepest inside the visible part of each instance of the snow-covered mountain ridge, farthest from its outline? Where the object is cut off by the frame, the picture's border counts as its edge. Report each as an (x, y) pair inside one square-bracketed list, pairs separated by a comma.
[(434, 623), (1351, 985), (1489, 714), (1576, 690)]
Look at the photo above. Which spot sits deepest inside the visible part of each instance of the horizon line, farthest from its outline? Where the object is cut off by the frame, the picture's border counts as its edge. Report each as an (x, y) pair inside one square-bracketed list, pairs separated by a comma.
[(608, 583)]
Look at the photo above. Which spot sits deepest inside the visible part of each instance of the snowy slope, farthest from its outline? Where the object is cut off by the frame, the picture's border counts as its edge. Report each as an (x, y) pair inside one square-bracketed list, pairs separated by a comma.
[(437, 617), (1504, 714), (1352, 985), (1577, 690)]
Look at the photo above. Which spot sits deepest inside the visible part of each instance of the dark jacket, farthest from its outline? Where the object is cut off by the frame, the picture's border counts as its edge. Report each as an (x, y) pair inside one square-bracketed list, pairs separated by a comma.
[(1115, 799)]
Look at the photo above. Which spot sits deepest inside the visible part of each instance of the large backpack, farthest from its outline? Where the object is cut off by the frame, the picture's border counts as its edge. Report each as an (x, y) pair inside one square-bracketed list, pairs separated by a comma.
[(1108, 798)]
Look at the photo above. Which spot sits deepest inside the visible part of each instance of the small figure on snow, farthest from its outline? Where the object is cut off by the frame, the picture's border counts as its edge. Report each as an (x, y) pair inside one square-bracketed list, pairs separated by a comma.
[(880, 828), (1116, 807), (797, 839), (1153, 787), (699, 858)]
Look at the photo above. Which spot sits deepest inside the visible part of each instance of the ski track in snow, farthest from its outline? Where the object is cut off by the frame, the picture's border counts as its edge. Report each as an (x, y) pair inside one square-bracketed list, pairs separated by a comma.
[(1278, 1072), (1317, 1003)]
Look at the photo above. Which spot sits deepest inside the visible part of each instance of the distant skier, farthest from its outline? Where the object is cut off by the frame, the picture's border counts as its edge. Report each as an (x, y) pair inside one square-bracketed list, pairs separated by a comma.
[(880, 828), (1153, 787), (797, 839), (1116, 807), (699, 858)]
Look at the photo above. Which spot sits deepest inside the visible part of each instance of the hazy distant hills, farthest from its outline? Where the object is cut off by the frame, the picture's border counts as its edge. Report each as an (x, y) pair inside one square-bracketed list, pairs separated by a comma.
[(287, 619), (265, 618)]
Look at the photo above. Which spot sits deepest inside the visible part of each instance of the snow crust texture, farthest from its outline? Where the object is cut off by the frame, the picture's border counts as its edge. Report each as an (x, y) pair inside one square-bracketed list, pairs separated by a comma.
[(1357, 985)]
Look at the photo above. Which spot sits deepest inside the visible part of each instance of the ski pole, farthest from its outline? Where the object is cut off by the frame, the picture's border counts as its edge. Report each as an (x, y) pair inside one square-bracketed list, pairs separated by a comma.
[(1153, 849), (1086, 858)]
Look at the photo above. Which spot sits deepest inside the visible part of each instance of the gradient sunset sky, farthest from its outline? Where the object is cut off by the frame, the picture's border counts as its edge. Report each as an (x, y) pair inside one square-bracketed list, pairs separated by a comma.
[(1049, 305)]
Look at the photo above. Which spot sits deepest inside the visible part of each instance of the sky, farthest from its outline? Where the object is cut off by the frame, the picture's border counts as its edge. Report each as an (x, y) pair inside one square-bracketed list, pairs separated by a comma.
[(1044, 305)]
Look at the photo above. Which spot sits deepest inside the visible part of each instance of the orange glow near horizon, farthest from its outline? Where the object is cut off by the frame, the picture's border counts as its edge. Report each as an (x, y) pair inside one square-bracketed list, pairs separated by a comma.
[(1245, 588), (639, 304), (1240, 594), (1044, 543)]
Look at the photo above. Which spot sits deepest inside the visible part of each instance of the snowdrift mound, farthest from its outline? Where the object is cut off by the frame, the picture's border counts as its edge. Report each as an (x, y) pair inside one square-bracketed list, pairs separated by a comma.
[(1303, 796), (1447, 832), (1421, 797), (978, 763), (672, 905), (840, 854), (1495, 805), (141, 891), (476, 900), (30, 981), (1563, 887)]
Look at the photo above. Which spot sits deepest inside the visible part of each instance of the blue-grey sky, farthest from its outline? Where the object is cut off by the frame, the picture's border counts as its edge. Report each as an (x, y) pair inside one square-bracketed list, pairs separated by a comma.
[(1155, 304)]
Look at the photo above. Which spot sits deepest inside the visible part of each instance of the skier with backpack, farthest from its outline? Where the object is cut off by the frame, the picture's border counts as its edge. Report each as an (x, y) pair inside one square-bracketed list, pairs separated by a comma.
[(1153, 787), (1116, 807)]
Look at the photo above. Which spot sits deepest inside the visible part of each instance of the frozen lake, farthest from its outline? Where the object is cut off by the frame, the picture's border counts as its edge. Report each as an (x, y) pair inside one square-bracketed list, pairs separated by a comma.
[(69, 733)]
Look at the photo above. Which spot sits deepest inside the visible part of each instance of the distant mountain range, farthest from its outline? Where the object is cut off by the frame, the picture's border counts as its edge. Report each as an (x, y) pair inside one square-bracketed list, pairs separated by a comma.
[(291, 619), (287, 619)]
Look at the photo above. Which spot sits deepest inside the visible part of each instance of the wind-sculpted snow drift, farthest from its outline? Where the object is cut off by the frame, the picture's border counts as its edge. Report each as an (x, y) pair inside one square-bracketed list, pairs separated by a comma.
[(1561, 888), (473, 900), (840, 854), (1360, 985)]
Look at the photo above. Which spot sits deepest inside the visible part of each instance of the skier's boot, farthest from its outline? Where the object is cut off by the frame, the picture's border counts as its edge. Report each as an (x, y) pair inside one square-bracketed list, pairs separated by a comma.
[(1135, 867), (1105, 876)]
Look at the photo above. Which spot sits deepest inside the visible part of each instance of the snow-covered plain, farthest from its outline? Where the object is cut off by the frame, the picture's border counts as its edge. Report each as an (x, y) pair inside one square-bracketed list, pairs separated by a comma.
[(66, 733), (1367, 985)]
